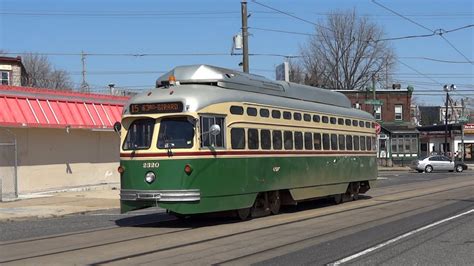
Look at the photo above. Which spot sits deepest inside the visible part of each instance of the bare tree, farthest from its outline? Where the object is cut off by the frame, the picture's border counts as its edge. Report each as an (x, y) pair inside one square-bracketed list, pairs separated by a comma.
[(42, 74), (345, 52)]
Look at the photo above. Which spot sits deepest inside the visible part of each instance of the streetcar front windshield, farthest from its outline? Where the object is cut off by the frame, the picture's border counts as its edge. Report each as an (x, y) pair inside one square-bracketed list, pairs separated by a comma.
[(139, 134), (175, 132)]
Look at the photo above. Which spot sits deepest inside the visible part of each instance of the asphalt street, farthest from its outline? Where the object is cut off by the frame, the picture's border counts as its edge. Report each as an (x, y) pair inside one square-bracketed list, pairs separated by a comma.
[(315, 232)]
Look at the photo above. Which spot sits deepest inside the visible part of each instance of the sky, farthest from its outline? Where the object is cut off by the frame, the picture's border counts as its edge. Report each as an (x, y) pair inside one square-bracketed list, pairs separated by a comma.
[(167, 34)]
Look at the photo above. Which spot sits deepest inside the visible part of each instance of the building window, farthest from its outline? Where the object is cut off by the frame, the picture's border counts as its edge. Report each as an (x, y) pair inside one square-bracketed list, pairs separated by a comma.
[(237, 138), (378, 112), (5, 78), (398, 112)]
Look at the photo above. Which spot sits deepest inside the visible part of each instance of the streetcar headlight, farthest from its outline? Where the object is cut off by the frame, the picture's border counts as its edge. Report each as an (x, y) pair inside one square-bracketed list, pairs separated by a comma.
[(150, 177)]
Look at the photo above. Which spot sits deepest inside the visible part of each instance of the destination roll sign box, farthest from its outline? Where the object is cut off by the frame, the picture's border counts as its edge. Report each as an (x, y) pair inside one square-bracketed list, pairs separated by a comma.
[(152, 108)]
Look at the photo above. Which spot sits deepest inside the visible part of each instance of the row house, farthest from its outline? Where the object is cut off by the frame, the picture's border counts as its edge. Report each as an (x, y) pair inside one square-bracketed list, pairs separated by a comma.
[(398, 140)]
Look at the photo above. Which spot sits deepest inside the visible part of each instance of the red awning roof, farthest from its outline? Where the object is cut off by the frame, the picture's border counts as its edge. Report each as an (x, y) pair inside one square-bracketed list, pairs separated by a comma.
[(32, 107)]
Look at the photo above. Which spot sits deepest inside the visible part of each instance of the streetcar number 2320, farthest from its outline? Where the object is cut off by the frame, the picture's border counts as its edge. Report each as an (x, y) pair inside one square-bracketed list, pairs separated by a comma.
[(151, 165)]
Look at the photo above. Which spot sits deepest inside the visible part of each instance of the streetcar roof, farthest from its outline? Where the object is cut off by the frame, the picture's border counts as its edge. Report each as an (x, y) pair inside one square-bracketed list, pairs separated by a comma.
[(235, 80)]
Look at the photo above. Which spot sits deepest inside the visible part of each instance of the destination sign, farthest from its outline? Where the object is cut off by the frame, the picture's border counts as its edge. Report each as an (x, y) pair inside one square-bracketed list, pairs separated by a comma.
[(151, 108)]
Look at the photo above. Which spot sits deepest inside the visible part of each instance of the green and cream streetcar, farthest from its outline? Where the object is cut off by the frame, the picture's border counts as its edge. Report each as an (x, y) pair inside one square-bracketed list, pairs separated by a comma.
[(209, 139)]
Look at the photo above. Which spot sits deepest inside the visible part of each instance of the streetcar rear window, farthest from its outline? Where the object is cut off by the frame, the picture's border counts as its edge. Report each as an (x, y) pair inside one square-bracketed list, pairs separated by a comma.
[(176, 132), (139, 135)]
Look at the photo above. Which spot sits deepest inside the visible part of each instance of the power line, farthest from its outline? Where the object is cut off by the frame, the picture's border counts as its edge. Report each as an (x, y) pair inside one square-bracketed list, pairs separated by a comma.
[(457, 50), (402, 16)]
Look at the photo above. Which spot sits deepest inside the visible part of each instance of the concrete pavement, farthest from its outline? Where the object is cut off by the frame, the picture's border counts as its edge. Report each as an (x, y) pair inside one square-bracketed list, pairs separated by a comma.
[(54, 204)]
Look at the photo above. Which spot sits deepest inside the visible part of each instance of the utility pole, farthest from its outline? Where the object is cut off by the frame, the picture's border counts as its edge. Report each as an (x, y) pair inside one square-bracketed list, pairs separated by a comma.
[(245, 50), (84, 85), (462, 130), (373, 91), (446, 124)]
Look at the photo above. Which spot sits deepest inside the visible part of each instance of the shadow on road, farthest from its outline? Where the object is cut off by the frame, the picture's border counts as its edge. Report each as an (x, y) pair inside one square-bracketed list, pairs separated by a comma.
[(165, 220)]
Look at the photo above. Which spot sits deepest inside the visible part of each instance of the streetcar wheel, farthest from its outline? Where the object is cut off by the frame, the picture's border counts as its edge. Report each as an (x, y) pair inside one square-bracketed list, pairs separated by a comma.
[(274, 202), (338, 198), (243, 214), (429, 169)]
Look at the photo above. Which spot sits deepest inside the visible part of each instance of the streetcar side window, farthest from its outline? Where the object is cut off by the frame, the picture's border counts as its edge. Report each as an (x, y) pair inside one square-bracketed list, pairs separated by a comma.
[(369, 144), (317, 141), (307, 117), (298, 140), (308, 141), (209, 140), (325, 141), (297, 116), (348, 122), (361, 123), (325, 119), (277, 143), (355, 123), (348, 142), (342, 142), (333, 120), (367, 124), (356, 143), (316, 118), (288, 137), (252, 135), (276, 114), (362, 143), (139, 135), (236, 110), (251, 111), (265, 140), (237, 138), (264, 112), (286, 115), (333, 142), (340, 121), (374, 143)]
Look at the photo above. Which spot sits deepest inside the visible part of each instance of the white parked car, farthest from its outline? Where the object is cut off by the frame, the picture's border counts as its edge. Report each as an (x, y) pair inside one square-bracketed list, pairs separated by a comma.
[(437, 163)]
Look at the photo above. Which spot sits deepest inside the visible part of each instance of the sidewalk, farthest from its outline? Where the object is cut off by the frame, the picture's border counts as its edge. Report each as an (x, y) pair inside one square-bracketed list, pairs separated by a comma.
[(47, 205)]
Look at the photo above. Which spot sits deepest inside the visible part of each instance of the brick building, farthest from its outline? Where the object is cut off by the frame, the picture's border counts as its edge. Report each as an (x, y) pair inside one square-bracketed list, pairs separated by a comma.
[(398, 142), (12, 71)]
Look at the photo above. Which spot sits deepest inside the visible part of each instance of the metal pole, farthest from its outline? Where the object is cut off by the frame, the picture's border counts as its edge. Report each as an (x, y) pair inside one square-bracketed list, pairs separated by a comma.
[(245, 50), (446, 125), (462, 131), (16, 168)]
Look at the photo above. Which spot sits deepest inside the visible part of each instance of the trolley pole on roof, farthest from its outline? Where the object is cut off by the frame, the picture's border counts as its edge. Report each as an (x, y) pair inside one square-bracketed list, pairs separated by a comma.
[(245, 50)]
